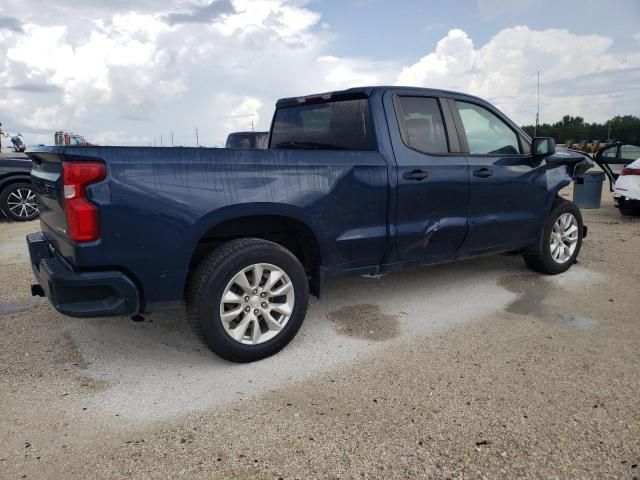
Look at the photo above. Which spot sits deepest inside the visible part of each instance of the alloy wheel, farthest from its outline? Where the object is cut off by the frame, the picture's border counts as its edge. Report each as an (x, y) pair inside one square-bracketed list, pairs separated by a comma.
[(22, 203), (564, 238), (257, 303)]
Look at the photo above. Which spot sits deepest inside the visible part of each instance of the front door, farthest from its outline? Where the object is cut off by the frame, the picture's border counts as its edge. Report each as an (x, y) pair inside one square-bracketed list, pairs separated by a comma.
[(508, 188), (432, 178)]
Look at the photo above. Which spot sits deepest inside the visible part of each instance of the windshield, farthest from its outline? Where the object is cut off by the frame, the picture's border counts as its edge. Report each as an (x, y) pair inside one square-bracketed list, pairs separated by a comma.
[(338, 125)]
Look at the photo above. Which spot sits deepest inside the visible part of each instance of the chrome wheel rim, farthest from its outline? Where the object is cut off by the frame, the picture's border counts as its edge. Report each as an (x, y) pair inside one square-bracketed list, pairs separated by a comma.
[(22, 203), (257, 303), (564, 238)]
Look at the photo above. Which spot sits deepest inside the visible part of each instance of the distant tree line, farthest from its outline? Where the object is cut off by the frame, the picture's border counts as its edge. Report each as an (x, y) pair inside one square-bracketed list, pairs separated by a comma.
[(575, 130)]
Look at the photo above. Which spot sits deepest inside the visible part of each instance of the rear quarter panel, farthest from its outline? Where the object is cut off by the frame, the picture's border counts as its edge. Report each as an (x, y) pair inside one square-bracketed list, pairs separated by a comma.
[(157, 203)]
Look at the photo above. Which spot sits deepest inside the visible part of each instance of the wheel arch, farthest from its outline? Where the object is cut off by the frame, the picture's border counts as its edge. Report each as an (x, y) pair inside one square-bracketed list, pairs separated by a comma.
[(281, 224), (554, 199), (13, 178)]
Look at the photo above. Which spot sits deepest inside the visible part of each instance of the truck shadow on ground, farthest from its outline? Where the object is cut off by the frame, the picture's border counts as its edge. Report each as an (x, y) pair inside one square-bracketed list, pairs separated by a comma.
[(350, 304), (158, 369)]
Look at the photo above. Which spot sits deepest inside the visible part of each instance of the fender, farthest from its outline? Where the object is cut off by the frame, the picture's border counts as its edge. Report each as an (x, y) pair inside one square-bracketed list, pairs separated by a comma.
[(562, 168), (13, 178)]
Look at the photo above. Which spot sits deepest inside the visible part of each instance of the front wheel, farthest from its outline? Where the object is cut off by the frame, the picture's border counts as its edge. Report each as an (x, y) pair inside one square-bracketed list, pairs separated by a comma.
[(561, 241), (248, 299)]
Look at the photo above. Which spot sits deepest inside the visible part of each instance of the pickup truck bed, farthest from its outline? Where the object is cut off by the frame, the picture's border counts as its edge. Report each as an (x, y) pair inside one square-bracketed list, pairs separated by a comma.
[(364, 198)]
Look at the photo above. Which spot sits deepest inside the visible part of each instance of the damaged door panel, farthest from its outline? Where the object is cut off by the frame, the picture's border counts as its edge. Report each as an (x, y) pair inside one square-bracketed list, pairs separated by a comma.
[(433, 178)]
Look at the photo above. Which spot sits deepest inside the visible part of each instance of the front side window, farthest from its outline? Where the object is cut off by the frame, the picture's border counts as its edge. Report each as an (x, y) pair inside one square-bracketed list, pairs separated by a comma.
[(422, 125), (338, 125), (486, 133)]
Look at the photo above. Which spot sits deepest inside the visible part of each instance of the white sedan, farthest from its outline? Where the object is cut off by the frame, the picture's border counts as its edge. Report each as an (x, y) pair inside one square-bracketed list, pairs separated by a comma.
[(626, 192)]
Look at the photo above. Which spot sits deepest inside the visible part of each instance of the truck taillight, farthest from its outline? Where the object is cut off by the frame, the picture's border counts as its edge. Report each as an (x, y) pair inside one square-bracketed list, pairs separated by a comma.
[(630, 171), (83, 224)]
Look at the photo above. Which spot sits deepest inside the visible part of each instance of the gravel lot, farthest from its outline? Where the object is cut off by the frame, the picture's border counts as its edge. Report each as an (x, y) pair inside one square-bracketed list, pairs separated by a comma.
[(478, 369)]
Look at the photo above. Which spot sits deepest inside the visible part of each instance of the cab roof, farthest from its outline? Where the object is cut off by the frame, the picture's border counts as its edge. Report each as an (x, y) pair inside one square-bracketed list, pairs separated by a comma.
[(363, 92)]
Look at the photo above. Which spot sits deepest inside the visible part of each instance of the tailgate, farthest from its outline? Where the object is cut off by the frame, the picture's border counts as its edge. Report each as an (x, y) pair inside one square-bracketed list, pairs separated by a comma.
[(46, 176)]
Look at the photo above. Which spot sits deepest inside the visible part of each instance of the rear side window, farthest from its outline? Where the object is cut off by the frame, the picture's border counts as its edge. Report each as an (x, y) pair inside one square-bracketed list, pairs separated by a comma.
[(486, 133), (339, 125), (422, 127)]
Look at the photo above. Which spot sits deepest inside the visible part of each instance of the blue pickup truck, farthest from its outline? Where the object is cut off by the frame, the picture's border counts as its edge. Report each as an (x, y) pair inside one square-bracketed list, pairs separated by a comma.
[(360, 181)]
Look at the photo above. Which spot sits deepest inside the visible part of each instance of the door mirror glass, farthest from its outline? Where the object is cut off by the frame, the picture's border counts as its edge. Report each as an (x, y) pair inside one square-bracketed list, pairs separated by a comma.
[(543, 147)]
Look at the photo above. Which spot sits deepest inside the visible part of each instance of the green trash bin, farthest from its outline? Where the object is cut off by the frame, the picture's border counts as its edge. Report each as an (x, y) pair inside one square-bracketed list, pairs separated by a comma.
[(587, 190)]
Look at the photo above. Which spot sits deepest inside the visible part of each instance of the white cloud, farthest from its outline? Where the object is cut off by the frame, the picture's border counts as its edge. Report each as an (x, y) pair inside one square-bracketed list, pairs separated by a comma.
[(131, 77), (238, 113), (120, 62), (504, 70)]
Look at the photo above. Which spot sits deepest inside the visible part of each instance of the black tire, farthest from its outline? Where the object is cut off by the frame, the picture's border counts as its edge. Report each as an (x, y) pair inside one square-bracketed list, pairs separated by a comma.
[(627, 210), (208, 284), (11, 194), (543, 262)]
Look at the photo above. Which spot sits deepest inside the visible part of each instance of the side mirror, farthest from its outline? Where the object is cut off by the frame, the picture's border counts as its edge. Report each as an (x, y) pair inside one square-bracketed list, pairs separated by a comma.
[(543, 147)]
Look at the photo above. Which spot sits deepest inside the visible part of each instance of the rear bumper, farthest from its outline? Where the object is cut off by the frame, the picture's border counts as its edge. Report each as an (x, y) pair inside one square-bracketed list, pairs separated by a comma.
[(79, 294)]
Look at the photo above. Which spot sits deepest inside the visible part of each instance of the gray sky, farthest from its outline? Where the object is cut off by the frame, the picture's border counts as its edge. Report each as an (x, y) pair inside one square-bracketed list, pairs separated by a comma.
[(126, 72)]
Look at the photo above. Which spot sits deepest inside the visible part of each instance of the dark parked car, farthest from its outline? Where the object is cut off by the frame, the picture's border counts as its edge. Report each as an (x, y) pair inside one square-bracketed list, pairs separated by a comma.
[(361, 181), (17, 197), (248, 140)]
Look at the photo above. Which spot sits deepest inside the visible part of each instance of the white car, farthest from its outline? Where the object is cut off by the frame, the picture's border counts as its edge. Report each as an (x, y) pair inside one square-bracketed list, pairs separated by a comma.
[(626, 192)]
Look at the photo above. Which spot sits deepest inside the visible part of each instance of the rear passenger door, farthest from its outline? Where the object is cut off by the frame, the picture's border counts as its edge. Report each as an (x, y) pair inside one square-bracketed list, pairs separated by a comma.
[(432, 178), (508, 188)]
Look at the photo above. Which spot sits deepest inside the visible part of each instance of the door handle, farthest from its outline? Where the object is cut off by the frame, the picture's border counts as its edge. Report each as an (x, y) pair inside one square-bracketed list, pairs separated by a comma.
[(415, 175), (483, 173)]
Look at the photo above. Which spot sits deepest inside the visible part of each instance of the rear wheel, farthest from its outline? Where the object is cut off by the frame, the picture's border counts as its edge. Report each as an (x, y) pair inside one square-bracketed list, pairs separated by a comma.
[(628, 211), (561, 242), (18, 202), (248, 299)]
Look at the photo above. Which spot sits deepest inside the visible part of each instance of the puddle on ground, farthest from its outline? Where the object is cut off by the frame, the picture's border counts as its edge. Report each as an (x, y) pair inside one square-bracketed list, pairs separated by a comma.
[(365, 321), (532, 291), (10, 308)]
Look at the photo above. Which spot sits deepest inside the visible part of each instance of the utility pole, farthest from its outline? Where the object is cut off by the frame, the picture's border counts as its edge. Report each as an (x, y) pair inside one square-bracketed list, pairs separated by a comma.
[(252, 125), (197, 139), (160, 140), (535, 131), (172, 139)]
